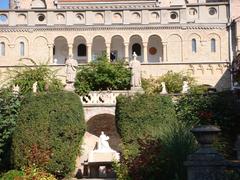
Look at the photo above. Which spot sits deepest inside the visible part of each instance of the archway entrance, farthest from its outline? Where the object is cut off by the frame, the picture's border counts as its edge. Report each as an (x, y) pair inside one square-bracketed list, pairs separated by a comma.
[(107, 124), (96, 124)]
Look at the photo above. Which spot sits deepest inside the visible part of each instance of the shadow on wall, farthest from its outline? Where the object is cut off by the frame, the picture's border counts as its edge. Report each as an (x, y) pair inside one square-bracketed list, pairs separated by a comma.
[(106, 123), (224, 82)]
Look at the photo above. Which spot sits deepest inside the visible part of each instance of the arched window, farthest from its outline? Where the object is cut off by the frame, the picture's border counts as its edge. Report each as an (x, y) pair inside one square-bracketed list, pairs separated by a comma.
[(82, 50), (137, 49), (2, 49), (22, 49), (213, 45), (194, 45)]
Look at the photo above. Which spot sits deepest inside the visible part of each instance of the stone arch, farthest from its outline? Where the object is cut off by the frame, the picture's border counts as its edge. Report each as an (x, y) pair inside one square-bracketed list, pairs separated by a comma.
[(40, 49), (155, 48), (79, 40), (107, 124), (174, 48), (214, 56), (18, 41), (194, 55), (117, 47), (98, 46), (60, 50), (133, 40)]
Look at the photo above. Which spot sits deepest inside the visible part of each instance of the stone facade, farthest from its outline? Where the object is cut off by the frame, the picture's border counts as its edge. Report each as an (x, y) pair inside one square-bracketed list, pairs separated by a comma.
[(166, 35)]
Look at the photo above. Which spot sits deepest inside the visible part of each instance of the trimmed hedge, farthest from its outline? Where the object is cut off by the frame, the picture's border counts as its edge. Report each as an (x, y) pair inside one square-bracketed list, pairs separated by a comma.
[(142, 116), (155, 143), (9, 107), (49, 131)]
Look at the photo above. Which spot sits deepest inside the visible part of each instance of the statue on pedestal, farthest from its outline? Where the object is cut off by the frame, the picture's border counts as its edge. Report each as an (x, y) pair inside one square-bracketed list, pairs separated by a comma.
[(164, 89), (135, 66), (185, 87), (103, 144), (71, 71)]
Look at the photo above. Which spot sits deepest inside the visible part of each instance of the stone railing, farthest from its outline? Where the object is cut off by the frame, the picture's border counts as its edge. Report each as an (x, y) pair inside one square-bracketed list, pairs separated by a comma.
[(107, 98)]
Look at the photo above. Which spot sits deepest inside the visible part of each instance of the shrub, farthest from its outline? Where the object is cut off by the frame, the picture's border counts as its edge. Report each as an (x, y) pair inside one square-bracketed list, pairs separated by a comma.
[(12, 175), (49, 131), (155, 144), (221, 109), (25, 78), (102, 75), (9, 107), (173, 80)]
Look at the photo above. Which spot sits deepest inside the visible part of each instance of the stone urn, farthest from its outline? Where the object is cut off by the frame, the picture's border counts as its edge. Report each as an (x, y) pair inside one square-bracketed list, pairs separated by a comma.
[(206, 163), (205, 134)]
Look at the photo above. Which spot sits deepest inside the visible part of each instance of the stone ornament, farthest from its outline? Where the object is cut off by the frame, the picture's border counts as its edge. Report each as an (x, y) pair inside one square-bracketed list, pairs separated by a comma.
[(164, 89), (135, 66), (185, 87), (34, 87), (16, 89)]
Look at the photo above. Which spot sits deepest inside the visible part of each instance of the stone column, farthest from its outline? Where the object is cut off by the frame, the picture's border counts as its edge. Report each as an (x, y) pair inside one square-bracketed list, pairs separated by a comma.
[(126, 51), (108, 49), (70, 50), (89, 52), (206, 163), (50, 51), (164, 51), (238, 43), (145, 52)]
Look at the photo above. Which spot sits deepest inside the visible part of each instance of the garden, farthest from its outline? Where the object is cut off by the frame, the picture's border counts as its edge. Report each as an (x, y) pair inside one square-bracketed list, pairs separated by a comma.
[(40, 133)]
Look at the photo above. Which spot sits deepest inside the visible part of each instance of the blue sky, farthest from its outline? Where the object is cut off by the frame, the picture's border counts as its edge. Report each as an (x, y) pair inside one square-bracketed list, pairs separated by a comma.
[(3, 4)]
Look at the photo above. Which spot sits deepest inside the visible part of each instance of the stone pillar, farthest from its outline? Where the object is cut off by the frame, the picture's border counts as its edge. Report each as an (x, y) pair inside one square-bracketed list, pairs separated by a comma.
[(70, 50), (164, 51), (89, 52), (108, 49), (126, 51), (50, 50), (206, 163), (238, 43), (145, 52)]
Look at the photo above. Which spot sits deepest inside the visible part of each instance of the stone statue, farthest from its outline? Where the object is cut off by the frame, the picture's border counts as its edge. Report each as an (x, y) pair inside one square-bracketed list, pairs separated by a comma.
[(185, 87), (103, 144), (16, 89), (164, 89), (35, 87), (135, 65), (71, 65)]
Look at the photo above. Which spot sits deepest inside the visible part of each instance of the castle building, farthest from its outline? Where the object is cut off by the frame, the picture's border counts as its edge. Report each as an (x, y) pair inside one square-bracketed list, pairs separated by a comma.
[(179, 35)]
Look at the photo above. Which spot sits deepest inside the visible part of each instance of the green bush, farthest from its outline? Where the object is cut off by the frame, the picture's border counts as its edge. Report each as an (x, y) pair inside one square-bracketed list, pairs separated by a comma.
[(9, 107), (173, 80), (49, 131), (12, 175), (102, 75), (155, 144), (26, 76), (221, 109)]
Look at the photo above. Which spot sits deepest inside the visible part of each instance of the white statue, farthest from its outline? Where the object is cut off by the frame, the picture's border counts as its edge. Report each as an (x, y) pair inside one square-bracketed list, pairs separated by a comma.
[(185, 87), (55, 61), (103, 144), (16, 89), (71, 65), (34, 87), (135, 65), (164, 89)]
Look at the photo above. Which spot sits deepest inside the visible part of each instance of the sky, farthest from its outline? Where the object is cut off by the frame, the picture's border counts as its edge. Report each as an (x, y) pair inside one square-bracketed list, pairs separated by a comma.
[(3, 4)]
